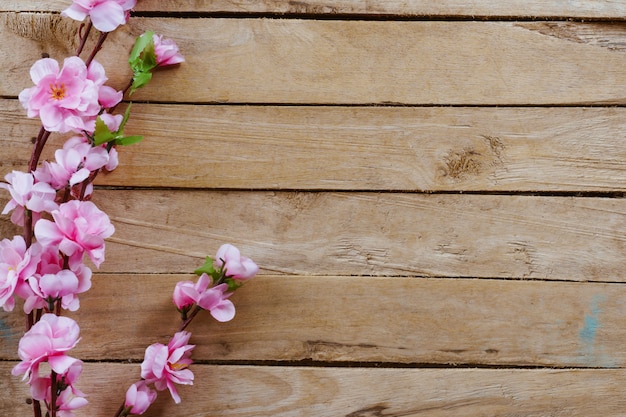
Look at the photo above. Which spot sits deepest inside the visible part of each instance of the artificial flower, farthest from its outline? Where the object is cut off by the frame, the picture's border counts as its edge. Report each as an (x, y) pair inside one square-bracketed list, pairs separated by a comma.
[(17, 264), (139, 397), (165, 366), (73, 163), (233, 264), (215, 301), (166, 51), (47, 288), (185, 294), (79, 227), (27, 194), (62, 98), (106, 15), (47, 341)]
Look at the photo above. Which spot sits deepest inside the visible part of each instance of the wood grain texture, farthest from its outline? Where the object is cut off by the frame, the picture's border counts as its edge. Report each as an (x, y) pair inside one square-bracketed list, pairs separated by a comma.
[(482, 8), (357, 148), (555, 238), (351, 62), (372, 233), (359, 319), (245, 391)]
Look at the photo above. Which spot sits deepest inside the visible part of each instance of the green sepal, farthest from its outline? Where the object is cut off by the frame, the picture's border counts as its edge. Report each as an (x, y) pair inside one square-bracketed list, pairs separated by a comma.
[(140, 79), (142, 53), (207, 268), (233, 284), (142, 60), (128, 140), (102, 134)]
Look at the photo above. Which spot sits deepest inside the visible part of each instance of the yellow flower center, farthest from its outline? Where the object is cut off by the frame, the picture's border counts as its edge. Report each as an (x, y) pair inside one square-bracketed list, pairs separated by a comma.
[(177, 366), (57, 92)]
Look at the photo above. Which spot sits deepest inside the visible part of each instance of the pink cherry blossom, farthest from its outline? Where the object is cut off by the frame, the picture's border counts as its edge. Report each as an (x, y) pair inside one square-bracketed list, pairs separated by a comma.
[(73, 163), (17, 264), (70, 397), (236, 266), (167, 365), (215, 301), (106, 15), (27, 193), (107, 96), (79, 227), (139, 397), (185, 294), (47, 341), (46, 288), (61, 98), (166, 51)]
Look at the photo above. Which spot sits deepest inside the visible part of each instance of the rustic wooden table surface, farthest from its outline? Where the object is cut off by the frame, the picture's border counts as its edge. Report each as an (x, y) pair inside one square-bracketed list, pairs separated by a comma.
[(433, 190)]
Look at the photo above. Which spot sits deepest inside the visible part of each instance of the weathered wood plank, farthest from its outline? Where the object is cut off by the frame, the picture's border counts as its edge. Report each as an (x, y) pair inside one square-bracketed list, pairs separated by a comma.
[(351, 62), (357, 148), (369, 233), (358, 319), (483, 8), (372, 233), (252, 391)]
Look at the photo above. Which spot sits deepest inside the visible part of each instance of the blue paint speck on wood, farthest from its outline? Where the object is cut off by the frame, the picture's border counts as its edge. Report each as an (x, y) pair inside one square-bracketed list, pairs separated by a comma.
[(592, 353)]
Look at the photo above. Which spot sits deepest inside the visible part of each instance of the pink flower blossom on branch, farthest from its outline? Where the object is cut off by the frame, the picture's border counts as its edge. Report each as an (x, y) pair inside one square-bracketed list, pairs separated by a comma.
[(62, 285), (79, 227), (17, 264), (213, 299), (139, 397), (236, 266), (70, 397), (61, 98), (166, 51), (74, 162), (106, 15), (27, 194), (69, 98), (47, 341), (165, 366)]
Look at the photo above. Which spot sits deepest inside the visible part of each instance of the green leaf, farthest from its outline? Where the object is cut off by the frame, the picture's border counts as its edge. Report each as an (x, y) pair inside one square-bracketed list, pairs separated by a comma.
[(125, 118), (142, 60), (206, 268), (128, 140), (140, 45), (233, 284), (140, 79), (102, 134)]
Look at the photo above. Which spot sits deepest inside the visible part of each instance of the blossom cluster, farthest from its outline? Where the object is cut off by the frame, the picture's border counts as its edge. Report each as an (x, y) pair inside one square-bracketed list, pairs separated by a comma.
[(64, 232), (165, 366)]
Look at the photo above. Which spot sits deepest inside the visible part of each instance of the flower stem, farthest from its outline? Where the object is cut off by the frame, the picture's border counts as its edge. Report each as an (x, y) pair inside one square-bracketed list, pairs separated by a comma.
[(193, 314), (83, 37), (36, 408), (40, 142), (53, 394), (96, 49)]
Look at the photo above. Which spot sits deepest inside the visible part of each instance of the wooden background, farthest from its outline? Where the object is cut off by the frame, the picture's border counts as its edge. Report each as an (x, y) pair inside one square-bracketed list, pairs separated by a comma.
[(433, 190)]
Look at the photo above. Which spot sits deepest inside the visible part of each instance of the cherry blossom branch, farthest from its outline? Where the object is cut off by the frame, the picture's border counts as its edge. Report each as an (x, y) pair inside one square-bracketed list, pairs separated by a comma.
[(97, 48), (83, 36), (51, 271)]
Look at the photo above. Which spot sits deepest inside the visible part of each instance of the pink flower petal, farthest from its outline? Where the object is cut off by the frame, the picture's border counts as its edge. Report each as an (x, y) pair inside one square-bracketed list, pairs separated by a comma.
[(61, 363), (43, 68), (107, 16), (225, 311)]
